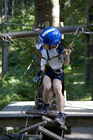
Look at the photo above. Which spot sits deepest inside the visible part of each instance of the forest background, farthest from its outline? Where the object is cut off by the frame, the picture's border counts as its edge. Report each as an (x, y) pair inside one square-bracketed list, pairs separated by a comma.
[(17, 83)]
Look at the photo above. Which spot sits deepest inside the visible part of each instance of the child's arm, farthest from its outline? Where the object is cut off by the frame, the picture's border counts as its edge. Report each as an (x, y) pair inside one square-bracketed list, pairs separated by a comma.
[(67, 56)]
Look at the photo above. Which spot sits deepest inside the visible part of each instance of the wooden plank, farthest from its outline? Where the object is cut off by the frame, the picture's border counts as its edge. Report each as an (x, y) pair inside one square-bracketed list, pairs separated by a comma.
[(79, 121), (47, 119), (18, 122), (72, 108), (19, 106), (79, 113), (50, 113), (79, 108), (14, 114)]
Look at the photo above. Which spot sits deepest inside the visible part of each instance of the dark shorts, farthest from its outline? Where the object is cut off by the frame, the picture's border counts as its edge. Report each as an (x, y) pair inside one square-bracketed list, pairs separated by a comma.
[(54, 74)]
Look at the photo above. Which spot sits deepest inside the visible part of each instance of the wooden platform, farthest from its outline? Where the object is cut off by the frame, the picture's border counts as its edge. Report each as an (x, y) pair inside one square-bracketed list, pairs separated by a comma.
[(79, 113)]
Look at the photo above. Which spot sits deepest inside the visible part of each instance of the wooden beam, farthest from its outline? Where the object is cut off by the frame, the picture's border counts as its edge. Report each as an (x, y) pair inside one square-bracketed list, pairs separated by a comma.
[(0, 62), (80, 120), (30, 128), (79, 113), (19, 122), (27, 34)]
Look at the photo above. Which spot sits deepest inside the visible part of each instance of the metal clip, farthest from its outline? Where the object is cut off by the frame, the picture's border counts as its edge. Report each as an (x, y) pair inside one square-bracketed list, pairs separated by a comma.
[(9, 37), (79, 30), (6, 37)]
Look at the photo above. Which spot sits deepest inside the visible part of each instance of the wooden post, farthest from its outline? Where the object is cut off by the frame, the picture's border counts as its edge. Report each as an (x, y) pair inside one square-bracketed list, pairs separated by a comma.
[(0, 43), (46, 14), (0, 62)]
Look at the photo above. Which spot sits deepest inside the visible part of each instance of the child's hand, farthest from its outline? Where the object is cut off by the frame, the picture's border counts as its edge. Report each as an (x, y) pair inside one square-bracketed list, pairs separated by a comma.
[(68, 51)]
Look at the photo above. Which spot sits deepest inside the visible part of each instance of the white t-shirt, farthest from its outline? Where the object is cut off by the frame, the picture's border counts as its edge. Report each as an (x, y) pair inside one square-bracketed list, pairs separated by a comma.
[(55, 63)]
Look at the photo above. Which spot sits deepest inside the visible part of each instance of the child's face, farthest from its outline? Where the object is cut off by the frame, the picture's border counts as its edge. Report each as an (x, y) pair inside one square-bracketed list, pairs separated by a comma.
[(47, 47)]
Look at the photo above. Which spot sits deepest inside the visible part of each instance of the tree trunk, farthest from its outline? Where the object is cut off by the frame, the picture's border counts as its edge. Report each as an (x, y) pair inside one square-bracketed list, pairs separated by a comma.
[(92, 67), (5, 49), (0, 62), (13, 7), (46, 14), (0, 43), (89, 53), (87, 62), (22, 7)]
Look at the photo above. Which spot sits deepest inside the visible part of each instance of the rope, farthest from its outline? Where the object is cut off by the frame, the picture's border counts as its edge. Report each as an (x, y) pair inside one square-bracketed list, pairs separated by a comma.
[(89, 33), (6, 37), (78, 32)]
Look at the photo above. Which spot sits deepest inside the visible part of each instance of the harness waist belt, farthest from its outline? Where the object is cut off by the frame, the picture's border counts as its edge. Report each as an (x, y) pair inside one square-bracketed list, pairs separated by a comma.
[(48, 68)]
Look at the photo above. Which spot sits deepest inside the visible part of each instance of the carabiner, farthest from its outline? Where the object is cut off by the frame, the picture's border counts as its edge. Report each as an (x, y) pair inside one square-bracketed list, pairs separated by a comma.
[(9, 37), (79, 31), (4, 37)]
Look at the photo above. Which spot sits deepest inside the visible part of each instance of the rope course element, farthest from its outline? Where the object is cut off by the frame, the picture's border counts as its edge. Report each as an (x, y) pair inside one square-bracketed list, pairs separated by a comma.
[(7, 37), (78, 32)]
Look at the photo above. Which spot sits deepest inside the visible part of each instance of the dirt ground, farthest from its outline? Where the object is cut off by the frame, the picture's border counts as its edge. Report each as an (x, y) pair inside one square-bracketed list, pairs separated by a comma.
[(80, 133)]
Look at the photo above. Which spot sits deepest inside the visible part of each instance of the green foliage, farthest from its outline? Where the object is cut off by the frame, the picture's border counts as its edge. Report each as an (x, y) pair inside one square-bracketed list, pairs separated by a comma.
[(74, 83), (74, 14), (17, 84), (75, 11)]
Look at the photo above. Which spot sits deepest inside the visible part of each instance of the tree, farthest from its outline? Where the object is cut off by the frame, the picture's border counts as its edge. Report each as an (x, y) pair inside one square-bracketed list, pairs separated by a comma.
[(46, 14), (22, 8), (5, 48), (13, 6), (89, 51), (0, 44)]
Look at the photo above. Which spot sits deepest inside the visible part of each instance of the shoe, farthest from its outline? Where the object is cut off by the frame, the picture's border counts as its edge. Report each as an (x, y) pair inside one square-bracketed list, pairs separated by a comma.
[(44, 109), (60, 118)]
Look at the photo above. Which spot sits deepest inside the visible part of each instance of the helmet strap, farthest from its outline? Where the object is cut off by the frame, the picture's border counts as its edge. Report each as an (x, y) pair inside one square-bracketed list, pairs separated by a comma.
[(49, 47), (52, 47)]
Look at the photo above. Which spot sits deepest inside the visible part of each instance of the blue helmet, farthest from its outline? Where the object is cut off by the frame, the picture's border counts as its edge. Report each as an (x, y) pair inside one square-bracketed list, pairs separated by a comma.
[(50, 36)]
